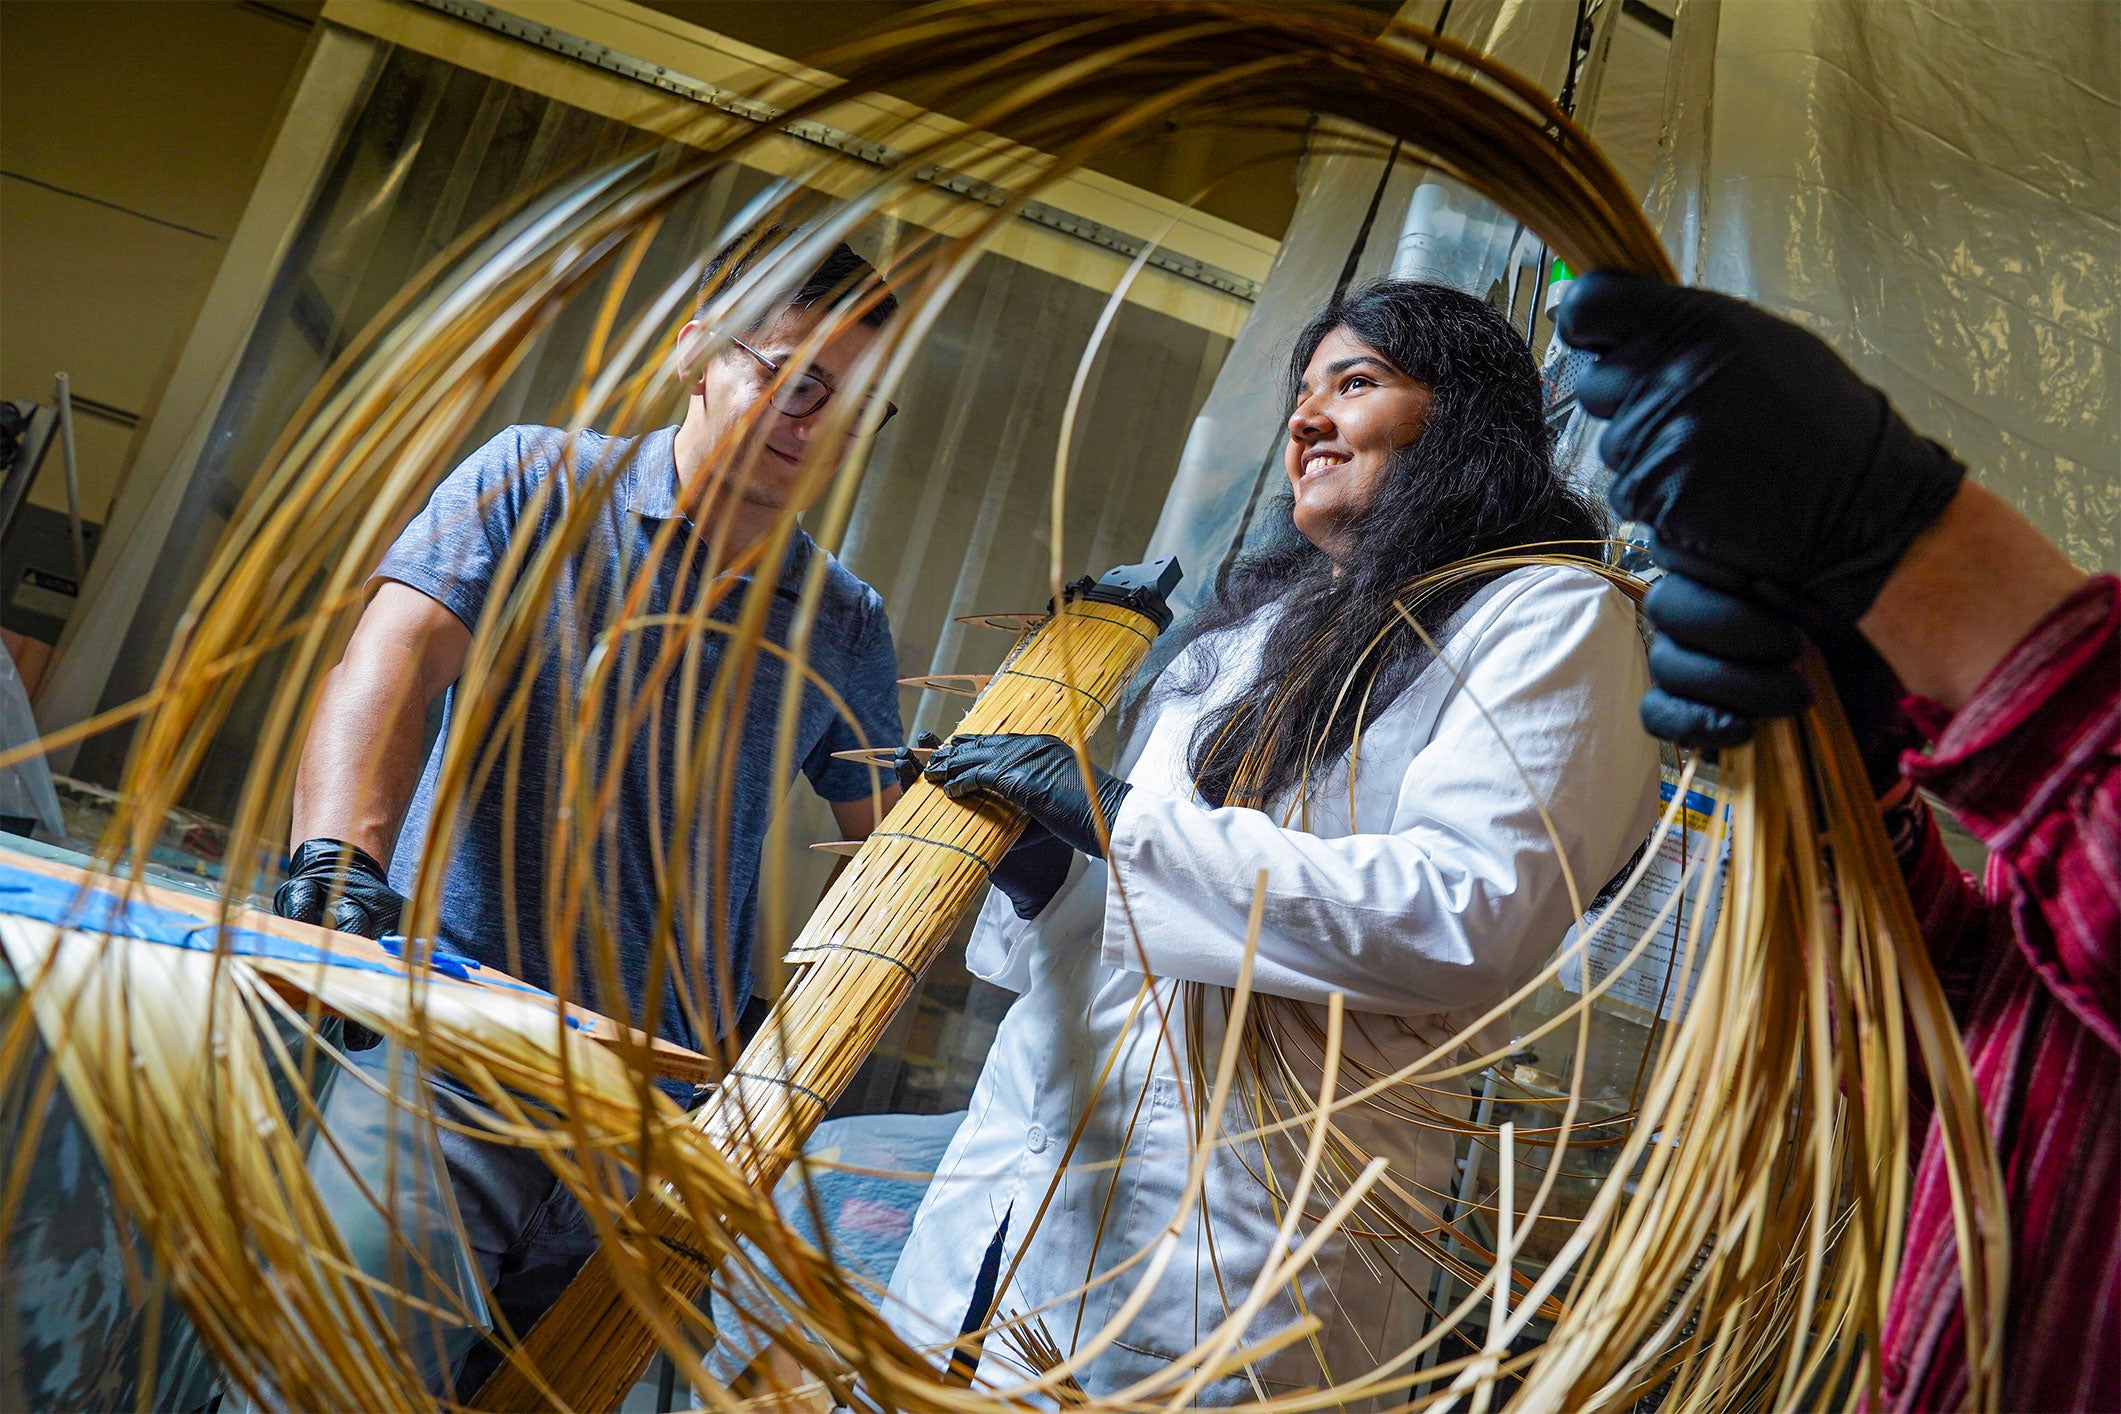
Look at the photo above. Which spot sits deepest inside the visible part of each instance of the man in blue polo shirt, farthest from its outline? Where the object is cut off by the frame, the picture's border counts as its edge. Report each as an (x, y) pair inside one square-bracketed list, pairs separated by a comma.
[(681, 866)]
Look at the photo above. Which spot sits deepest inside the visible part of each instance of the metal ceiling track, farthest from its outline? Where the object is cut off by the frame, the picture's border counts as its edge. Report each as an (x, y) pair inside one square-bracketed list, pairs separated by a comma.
[(841, 141)]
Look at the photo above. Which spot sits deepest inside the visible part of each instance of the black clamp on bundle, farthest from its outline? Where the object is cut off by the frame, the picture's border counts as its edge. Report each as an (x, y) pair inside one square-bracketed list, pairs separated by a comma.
[(1145, 588)]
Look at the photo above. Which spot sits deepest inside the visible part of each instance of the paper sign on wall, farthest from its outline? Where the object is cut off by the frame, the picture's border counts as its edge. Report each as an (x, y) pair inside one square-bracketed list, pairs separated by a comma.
[(1652, 985)]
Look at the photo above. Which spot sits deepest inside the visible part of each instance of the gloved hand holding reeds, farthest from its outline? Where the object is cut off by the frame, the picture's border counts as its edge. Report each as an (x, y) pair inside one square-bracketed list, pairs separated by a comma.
[(1036, 866), (1780, 490), (1040, 776)]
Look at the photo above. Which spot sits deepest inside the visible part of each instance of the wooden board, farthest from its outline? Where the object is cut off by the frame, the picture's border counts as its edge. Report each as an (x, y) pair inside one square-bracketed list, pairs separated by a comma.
[(670, 1060)]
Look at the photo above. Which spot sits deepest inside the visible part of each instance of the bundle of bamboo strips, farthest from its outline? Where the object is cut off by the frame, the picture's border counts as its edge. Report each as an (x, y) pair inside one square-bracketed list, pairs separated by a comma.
[(175, 1060), (164, 1056), (876, 930)]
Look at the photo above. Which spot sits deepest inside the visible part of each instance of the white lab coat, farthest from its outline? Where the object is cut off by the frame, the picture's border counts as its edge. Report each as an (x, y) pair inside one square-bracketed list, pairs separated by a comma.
[(1432, 900)]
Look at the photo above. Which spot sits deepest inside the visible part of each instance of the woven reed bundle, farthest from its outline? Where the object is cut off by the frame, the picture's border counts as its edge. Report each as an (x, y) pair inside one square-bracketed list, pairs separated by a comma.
[(876, 930)]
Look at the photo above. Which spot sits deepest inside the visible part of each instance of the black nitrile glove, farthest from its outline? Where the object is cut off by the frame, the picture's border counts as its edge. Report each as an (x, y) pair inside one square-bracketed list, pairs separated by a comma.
[(1718, 666), (1033, 870), (1760, 460), (1721, 665), (906, 766), (1871, 695), (1039, 775), (1035, 867), (344, 878)]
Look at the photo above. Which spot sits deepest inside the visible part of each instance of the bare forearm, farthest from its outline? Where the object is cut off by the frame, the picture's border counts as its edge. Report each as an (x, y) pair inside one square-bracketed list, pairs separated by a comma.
[(361, 762), (1969, 589), (856, 818)]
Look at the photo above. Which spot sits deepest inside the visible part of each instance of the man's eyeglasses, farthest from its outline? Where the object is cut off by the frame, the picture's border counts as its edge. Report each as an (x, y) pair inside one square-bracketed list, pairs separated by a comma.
[(803, 394)]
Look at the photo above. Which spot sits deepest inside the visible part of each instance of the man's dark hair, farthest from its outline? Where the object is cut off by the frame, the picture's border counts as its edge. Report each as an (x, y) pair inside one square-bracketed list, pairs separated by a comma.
[(1480, 479), (841, 278)]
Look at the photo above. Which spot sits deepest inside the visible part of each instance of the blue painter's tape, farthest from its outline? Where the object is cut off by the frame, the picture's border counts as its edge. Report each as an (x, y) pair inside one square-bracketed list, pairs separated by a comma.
[(442, 960), (40, 896)]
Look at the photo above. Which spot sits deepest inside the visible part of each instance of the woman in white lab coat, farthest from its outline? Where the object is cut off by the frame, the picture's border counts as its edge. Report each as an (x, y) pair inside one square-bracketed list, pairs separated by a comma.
[(1423, 891)]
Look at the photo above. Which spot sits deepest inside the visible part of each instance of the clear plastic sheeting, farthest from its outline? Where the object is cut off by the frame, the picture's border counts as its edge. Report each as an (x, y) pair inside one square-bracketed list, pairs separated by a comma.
[(1370, 210), (26, 793), (380, 1173), (1936, 189), (1454, 236)]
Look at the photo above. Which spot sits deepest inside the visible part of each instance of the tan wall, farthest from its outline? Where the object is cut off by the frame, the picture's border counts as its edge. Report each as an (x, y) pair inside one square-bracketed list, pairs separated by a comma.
[(130, 134)]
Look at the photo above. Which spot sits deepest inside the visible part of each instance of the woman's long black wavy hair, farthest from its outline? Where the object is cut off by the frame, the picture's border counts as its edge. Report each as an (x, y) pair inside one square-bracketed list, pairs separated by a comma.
[(1480, 479)]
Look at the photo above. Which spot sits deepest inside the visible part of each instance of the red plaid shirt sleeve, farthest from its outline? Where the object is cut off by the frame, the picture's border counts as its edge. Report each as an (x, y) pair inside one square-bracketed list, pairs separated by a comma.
[(2031, 960)]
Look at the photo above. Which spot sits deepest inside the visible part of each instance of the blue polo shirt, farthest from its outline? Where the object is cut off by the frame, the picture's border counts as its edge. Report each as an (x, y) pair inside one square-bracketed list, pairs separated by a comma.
[(671, 860)]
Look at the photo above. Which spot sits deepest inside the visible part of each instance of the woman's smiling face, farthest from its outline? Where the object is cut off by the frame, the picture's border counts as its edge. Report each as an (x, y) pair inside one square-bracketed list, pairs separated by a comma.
[(1353, 411)]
